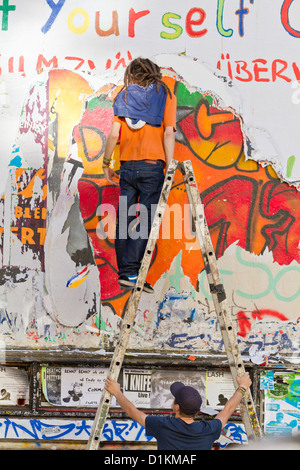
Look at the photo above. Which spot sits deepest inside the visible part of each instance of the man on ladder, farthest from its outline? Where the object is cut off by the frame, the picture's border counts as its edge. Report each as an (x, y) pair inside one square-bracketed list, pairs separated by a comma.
[(145, 120)]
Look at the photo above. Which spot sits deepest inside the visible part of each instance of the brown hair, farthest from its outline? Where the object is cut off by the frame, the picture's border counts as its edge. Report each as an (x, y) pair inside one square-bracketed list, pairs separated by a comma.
[(143, 72)]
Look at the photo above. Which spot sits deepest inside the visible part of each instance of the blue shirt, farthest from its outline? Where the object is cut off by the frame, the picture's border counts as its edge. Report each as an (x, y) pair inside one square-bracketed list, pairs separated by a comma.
[(176, 434), (143, 103)]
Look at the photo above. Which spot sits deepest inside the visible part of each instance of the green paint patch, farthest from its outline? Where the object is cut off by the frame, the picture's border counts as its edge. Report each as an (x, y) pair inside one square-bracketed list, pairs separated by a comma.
[(176, 278), (99, 101), (290, 166), (185, 98)]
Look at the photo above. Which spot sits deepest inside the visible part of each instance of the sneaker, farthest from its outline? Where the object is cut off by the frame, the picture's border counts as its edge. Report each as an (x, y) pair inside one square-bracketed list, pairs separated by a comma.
[(130, 282), (148, 288)]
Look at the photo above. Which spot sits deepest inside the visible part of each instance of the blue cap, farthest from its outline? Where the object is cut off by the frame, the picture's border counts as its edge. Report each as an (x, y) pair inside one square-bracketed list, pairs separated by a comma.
[(188, 398)]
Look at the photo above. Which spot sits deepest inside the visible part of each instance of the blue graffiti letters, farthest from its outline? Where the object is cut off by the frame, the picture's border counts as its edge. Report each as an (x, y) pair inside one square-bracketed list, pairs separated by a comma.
[(55, 7)]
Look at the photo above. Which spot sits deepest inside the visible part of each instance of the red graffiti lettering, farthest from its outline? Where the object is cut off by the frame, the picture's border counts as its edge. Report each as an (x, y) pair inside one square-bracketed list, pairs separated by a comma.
[(133, 17), (245, 323), (191, 21), (286, 20)]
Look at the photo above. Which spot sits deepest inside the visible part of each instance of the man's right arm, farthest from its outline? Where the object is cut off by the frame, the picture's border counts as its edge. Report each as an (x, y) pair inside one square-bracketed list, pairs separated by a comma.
[(111, 142), (235, 400), (114, 389), (169, 123)]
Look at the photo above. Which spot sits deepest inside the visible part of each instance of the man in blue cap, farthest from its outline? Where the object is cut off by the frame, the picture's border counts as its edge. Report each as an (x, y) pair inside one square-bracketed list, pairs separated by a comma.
[(182, 432)]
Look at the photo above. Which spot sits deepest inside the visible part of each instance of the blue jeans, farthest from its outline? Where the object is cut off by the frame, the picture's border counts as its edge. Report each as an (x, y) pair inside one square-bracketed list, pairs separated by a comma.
[(140, 185)]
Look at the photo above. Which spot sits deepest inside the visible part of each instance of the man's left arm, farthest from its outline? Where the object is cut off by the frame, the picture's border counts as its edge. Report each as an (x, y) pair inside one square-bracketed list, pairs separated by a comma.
[(169, 144), (114, 389), (169, 123)]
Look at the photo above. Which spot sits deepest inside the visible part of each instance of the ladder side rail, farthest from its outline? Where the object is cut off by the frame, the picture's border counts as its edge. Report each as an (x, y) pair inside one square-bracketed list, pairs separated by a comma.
[(237, 369), (218, 294), (200, 223), (128, 320), (114, 371)]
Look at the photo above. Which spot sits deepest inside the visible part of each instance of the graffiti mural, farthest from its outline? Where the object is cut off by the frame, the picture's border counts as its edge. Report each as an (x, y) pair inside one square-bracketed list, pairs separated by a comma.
[(58, 217), (246, 205), (79, 430)]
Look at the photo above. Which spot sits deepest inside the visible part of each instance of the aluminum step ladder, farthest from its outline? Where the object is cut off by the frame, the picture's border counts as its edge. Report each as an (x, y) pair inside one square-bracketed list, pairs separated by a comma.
[(237, 369)]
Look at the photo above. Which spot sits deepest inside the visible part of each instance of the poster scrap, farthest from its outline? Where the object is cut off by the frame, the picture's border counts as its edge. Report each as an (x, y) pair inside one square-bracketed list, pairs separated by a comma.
[(137, 386), (219, 388), (14, 386), (282, 405), (161, 380), (145, 388), (72, 386)]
